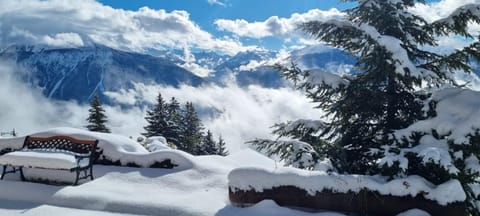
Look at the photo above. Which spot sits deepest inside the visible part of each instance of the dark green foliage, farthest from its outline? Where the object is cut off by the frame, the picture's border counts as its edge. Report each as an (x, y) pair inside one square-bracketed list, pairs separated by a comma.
[(172, 134), (97, 118), (292, 153), (367, 107), (208, 146), (381, 96), (157, 119), (180, 127), (191, 130), (221, 147)]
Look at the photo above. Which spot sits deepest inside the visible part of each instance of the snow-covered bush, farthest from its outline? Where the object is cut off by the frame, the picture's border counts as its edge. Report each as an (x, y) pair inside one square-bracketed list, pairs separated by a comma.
[(156, 143)]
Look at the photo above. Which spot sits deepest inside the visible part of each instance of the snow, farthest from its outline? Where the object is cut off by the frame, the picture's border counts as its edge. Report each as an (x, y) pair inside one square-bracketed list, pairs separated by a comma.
[(318, 77), (156, 143), (115, 148), (414, 212), (473, 9), (42, 159), (198, 187), (400, 59), (457, 115), (314, 181)]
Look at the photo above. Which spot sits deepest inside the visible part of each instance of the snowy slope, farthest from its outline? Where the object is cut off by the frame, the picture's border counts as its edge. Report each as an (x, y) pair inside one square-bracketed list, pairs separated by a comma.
[(200, 189)]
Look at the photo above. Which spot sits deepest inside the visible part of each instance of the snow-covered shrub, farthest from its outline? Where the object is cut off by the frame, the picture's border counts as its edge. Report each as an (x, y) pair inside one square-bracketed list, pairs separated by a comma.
[(156, 143)]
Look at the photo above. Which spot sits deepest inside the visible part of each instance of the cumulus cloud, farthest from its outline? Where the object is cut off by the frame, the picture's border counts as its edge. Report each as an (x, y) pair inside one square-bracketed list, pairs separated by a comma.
[(77, 23), (275, 26)]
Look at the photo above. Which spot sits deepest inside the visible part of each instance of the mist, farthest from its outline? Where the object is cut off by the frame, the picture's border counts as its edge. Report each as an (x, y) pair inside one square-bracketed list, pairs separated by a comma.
[(238, 114)]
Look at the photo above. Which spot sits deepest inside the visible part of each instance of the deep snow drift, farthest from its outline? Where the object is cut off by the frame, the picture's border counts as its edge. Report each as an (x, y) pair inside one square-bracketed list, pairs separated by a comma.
[(198, 186)]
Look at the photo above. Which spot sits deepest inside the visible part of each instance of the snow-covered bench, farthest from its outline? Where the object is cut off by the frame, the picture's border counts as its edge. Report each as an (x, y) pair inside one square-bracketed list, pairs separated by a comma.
[(56, 152)]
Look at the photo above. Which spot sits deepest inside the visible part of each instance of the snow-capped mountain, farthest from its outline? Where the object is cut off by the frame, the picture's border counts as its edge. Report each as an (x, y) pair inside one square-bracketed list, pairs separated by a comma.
[(79, 73)]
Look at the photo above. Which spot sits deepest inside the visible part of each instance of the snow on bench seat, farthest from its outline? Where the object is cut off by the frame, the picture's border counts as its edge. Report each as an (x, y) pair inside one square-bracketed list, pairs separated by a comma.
[(61, 160)]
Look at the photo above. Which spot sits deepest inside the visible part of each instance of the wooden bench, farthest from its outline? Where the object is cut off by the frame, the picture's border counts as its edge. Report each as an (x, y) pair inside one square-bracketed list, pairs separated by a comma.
[(55, 152)]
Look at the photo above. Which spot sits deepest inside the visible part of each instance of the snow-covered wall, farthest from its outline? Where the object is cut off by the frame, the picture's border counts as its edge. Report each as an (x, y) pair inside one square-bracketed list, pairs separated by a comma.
[(314, 181)]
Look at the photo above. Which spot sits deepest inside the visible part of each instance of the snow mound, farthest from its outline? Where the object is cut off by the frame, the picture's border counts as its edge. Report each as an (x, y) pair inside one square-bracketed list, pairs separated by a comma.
[(157, 143), (115, 148), (414, 212), (317, 181)]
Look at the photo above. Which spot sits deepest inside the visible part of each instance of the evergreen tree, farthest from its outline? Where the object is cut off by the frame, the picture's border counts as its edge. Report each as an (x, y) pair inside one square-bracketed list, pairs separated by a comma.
[(191, 130), (97, 118), (208, 145), (221, 147), (366, 107), (172, 133), (157, 119)]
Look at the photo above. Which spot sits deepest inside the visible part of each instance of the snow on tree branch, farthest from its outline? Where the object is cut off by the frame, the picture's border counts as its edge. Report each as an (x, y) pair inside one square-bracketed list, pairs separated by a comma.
[(458, 20), (300, 128), (336, 32), (292, 152)]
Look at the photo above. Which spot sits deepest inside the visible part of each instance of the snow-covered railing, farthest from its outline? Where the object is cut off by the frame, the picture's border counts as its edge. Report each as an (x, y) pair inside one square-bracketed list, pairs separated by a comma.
[(346, 193)]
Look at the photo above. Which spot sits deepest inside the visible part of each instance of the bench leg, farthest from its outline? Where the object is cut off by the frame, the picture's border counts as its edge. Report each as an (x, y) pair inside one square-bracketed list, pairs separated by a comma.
[(91, 172), (78, 175), (21, 174), (3, 172)]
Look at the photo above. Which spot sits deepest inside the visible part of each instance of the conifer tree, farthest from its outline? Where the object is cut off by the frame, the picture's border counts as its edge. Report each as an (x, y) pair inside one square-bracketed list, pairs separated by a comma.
[(191, 130), (221, 147), (157, 119), (97, 118), (366, 107), (172, 133), (208, 145)]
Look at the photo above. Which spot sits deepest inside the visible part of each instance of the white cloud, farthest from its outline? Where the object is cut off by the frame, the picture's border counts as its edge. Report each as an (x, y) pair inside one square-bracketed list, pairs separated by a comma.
[(217, 2), (27, 110), (190, 65), (441, 9), (282, 57), (275, 26), (77, 23), (242, 114)]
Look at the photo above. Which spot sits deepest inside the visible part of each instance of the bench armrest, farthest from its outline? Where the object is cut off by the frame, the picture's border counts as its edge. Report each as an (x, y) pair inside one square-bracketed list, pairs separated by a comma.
[(82, 157)]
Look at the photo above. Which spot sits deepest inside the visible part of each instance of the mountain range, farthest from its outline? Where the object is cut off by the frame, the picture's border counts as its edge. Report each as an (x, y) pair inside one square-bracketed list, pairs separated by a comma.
[(79, 73)]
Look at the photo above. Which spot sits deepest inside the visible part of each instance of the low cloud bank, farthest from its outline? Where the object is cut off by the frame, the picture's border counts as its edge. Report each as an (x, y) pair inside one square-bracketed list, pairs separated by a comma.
[(238, 114)]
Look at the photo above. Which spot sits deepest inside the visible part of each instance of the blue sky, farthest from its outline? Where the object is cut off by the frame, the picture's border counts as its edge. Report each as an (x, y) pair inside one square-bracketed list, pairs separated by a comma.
[(204, 13), (227, 26)]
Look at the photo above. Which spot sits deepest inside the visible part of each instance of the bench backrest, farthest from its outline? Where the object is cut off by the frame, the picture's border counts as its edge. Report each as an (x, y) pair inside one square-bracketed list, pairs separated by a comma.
[(65, 143)]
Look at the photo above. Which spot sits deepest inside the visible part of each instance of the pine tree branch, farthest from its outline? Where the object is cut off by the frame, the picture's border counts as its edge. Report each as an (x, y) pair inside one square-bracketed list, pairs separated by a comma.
[(457, 22)]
